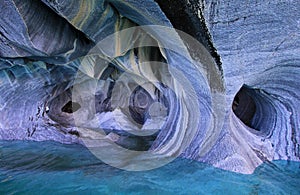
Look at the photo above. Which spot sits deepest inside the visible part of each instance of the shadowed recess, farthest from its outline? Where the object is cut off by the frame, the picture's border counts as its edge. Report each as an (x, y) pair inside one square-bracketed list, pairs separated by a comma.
[(244, 106), (71, 107)]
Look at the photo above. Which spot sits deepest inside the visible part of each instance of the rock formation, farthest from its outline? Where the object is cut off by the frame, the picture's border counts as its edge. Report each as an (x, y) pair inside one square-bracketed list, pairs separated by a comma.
[(226, 95)]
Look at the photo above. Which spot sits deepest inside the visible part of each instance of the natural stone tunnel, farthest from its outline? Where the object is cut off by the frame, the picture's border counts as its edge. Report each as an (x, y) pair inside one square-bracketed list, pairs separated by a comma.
[(226, 94)]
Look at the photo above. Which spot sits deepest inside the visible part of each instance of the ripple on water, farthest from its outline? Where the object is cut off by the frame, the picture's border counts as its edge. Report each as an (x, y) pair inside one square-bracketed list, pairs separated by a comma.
[(32, 167)]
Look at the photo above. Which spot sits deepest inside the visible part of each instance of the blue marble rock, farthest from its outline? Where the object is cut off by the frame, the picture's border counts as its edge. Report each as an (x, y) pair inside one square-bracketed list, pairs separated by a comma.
[(227, 95)]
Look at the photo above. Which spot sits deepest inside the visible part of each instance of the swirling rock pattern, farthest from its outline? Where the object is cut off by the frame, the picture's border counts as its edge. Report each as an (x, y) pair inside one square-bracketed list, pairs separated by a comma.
[(255, 64)]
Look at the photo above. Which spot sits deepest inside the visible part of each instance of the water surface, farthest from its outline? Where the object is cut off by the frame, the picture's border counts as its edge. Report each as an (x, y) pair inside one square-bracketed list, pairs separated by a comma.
[(48, 167)]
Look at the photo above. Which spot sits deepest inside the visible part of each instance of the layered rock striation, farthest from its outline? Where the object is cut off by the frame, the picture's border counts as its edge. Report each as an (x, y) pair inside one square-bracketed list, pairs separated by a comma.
[(71, 71)]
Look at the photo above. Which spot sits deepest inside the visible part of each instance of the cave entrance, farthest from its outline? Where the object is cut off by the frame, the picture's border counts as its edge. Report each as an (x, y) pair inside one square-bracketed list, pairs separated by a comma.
[(244, 106), (70, 107)]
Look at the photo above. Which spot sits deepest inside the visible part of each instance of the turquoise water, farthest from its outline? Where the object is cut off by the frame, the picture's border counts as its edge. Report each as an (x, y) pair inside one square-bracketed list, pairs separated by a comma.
[(52, 168)]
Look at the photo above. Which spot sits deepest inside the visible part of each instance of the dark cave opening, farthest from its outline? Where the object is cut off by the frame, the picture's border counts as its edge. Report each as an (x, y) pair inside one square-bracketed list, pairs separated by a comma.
[(70, 107), (244, 106), (256, 108)]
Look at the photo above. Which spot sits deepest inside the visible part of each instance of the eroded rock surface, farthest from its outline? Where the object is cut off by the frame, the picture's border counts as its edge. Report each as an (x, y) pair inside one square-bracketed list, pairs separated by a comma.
[(231, 101)]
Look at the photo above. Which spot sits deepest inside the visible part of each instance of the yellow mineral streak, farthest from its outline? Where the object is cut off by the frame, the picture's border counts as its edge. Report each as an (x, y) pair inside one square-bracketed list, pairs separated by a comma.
[(83, 14)]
